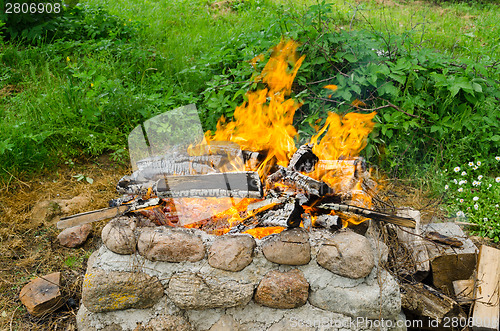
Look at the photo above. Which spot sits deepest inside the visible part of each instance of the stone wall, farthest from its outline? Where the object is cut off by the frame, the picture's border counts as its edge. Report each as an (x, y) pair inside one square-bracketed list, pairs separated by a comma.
[(160, 278)]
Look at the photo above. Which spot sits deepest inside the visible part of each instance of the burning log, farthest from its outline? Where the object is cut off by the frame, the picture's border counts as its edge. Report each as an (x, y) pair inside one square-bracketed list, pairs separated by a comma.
[(235, 184), (297, 182), (303, 160), (374, 215), (331, 222), (285, 214), (232, 184)]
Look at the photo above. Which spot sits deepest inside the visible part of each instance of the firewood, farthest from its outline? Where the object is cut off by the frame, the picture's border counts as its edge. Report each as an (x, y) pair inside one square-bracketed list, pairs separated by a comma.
[(231, 184), (303, 160), (412, 243), (449, 263), (298, 182), (287, 215), (464, 290), (486, 313), (331, 222), (265, 204), (374, 215), (422, 300)]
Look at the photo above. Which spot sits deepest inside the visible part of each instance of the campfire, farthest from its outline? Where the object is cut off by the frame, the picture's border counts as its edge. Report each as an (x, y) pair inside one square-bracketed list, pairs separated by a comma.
[(240, 228), (248, 176)]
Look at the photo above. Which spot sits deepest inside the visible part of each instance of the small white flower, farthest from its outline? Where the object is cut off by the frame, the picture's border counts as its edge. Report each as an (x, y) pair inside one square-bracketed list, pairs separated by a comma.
[(478, 163), (479, 177), (489, 185), (460, 213), (475, 198), (455, 181), (462, 182), (475, 183), (464, 173), (497, 158), (471, 164), (461, 200), (460, 189), (485, 219), (476, 206), (446, 187), (475, 168), (456, 169), (497, 179)]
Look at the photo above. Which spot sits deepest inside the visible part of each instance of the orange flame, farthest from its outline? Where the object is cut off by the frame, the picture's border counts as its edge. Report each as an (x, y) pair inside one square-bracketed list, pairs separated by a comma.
[(265, 121)]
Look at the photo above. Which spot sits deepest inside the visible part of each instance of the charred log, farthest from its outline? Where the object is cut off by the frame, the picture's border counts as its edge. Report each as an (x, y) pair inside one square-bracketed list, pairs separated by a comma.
[(377, 216), (331, 222), (297, 182), (303, 160), (234, 184)]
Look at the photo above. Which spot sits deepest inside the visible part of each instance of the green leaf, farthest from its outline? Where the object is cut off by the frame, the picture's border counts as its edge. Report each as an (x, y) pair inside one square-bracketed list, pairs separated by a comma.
[(495, 138)]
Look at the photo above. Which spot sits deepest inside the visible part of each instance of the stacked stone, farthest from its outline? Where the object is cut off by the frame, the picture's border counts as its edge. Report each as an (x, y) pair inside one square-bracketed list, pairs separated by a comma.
[(162, 278)]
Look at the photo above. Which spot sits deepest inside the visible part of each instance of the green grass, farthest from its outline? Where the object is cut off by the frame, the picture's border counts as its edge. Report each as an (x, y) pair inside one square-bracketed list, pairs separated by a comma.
[(70, 98)]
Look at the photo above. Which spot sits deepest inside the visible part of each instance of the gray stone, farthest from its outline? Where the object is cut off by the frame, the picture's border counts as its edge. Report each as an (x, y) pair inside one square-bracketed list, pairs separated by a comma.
[(108, 291), (289, 247), (225, 323), (231, 253), (379, 298), (189, 290), (347, 254), (119, 237), (74, 236), (282, 290), (171, 245)]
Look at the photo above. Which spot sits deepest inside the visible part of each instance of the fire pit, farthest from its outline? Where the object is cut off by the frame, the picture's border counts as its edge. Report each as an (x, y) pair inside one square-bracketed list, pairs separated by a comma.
[(240, 230), (181, 279)]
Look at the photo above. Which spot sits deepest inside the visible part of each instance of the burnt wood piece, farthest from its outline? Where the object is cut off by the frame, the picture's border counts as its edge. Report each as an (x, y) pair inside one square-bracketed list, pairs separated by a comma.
[(268, 203), (245, 184), (423, 300), (442, 239), (374, 215), (331, 222), (298, 182), (232, 153), (101, 214), (287, 215), (303, 160)]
